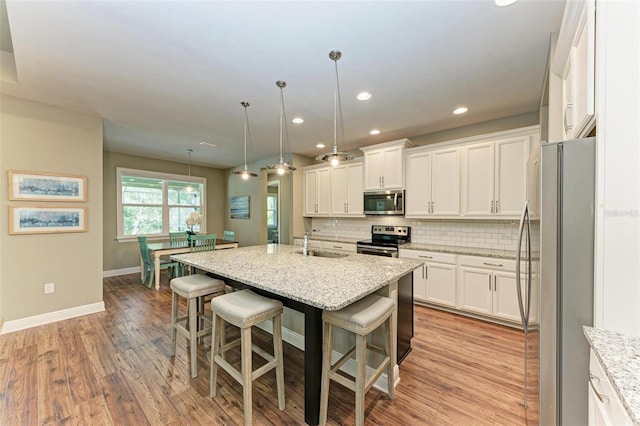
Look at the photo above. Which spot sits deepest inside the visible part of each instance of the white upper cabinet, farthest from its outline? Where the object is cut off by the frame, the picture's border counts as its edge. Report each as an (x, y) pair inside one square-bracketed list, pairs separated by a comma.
[(384, 165), (494, 177), (346, 190), (575, 62), (317, 197), (433, 183)]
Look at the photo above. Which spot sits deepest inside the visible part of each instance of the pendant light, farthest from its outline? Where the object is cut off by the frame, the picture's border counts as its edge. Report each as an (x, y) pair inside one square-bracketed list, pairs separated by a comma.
[(189, 188), (245, 173), (335, 156), (281, 167)]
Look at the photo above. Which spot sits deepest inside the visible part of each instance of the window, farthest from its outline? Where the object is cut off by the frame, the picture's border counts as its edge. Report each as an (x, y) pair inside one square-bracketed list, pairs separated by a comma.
[(154, 204), (272, 210)]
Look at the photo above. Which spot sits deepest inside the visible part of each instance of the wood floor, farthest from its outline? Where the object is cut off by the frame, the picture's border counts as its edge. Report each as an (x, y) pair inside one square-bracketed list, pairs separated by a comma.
[(114, 368)]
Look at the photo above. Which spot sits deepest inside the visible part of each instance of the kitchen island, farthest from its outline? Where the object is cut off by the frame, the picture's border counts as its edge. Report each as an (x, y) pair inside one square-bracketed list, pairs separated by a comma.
[(308, 284)]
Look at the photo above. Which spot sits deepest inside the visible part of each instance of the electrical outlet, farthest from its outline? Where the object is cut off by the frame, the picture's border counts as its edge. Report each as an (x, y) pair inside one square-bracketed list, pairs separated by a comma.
[(49, 288)]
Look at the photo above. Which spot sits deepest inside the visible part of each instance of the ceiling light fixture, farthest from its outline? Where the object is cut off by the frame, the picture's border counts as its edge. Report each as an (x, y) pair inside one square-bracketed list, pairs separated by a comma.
[(364, 96), (281, 167), (335, 156), (212, 145), (298, 120), (375, 132), (320, 145), (245, 173), (189, 188), (460, 110)]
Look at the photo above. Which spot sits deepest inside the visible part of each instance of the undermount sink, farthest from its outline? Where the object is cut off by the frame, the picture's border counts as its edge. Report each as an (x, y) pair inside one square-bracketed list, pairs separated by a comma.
[(330, 254)]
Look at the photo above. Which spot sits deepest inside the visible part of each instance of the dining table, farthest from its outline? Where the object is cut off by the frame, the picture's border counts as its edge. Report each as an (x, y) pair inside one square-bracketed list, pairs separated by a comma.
[(308, 284), (166, 248)]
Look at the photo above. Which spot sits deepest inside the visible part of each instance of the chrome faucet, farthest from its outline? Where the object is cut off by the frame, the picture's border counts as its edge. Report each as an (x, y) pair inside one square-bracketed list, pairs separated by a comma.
[(305, 245)]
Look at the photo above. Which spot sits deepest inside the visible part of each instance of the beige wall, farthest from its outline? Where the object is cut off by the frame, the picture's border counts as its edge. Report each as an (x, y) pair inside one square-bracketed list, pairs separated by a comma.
[(39, 137), (120, 255)]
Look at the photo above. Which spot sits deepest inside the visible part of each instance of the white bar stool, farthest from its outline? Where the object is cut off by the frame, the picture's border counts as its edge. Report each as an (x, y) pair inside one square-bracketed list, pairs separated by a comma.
[(245, 309), (361, 318), (192, 287)]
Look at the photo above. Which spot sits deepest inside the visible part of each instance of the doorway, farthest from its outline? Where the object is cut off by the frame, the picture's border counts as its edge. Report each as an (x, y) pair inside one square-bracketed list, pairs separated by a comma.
[(273, 212)]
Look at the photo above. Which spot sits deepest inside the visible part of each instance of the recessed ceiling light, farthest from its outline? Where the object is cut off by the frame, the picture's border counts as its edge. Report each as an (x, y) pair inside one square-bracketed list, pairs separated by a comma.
[(212, 145), (363, 96), (503, 3), (298, 120), (320, 145), (375, 132), (460, 110)]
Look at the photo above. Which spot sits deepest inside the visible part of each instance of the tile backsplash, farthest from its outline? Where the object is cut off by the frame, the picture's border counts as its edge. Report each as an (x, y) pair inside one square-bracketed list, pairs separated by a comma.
[(502, 235)]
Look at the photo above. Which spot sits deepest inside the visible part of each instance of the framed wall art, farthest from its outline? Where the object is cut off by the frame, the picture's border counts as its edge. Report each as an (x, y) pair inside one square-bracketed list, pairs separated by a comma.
[(240, 207), (37, 186), (42, 219)]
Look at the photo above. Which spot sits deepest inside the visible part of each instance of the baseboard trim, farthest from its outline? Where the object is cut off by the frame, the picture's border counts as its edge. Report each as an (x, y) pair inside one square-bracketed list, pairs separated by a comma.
[(118, 272), (49, 317), (297, 340)]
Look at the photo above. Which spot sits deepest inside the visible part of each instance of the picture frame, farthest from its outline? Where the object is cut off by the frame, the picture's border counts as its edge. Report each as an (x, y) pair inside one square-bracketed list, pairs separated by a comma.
[(40, 186), (240, 207), (47, 219)]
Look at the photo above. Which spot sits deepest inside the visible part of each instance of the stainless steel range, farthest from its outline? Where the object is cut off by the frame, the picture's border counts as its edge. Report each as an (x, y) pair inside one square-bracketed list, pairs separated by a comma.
[(385, 240)]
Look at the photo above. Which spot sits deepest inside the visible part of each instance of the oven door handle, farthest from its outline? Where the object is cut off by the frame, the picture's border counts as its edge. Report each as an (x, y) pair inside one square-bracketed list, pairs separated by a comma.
[(393, 252)]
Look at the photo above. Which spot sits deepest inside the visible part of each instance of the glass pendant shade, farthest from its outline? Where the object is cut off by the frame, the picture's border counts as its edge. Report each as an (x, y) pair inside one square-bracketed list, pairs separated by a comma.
[(281, 167), (245, 173), (335, 157)]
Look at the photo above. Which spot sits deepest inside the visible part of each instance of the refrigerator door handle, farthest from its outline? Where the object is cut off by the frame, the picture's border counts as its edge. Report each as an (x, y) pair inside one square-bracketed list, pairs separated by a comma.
[(524, 312)]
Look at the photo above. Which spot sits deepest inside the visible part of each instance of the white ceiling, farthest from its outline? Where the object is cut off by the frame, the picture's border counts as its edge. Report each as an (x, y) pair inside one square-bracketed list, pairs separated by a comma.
[(166, 75)]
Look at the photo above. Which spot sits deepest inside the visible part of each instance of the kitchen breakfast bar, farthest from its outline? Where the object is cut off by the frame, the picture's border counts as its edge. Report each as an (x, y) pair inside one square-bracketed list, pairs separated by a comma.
[(308, 284)]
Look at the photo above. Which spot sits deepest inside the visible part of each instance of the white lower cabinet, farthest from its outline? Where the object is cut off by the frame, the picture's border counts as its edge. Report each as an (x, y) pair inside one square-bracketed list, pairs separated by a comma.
[(487, 286), (605, 408), (327, 245), (435, 281)]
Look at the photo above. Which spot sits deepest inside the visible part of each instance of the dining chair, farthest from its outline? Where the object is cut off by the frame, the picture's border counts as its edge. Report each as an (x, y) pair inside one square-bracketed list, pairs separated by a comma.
[(203, 242), (149, 267), (178, 238), (229, 236)]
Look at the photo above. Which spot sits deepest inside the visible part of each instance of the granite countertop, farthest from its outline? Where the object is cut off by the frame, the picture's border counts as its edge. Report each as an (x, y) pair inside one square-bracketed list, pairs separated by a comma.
[(619, 355), (326, 283), (471, 251)]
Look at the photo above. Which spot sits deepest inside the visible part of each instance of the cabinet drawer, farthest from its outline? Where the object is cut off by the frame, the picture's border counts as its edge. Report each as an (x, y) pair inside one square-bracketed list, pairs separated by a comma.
[(428, 256), (330, 245), (492, 263), (606, 398)]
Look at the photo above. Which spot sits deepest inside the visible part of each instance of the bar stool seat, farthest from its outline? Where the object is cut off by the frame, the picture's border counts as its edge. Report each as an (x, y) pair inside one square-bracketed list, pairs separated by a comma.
[(361, 318), (245, 309), (193, 288)]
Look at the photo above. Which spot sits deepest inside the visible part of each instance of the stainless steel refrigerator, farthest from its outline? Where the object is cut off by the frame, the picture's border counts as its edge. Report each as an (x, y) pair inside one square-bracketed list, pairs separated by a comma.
[(565, 300)]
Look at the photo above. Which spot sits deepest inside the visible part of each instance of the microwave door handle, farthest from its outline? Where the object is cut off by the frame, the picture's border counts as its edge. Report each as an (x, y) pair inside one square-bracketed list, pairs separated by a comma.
[(395, 201)]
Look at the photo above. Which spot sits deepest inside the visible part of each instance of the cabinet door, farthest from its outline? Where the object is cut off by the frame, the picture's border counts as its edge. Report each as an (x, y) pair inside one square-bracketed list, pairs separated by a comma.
[(511, 176), (441, 284), (355, 201), (310, 192), (583, 67), (445, 182), (567, 102), (478, 172), (324, 191), (597, 416), (475, 290), (339, 190), (419, 285), (418, 193), (393, 177), (505, 297), (373, 169)]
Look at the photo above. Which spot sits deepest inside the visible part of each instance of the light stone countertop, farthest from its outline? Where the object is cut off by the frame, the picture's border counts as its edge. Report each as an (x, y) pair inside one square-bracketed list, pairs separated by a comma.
[(326, 283), (619, 355), (471, 251)]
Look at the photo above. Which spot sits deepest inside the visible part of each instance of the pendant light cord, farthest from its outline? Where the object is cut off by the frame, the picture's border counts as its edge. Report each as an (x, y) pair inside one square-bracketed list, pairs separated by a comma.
[(247, 131), (337, 107)]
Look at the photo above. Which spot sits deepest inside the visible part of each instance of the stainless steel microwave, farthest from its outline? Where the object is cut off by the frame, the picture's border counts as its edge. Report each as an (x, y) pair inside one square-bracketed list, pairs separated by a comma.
[(384, 202)]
